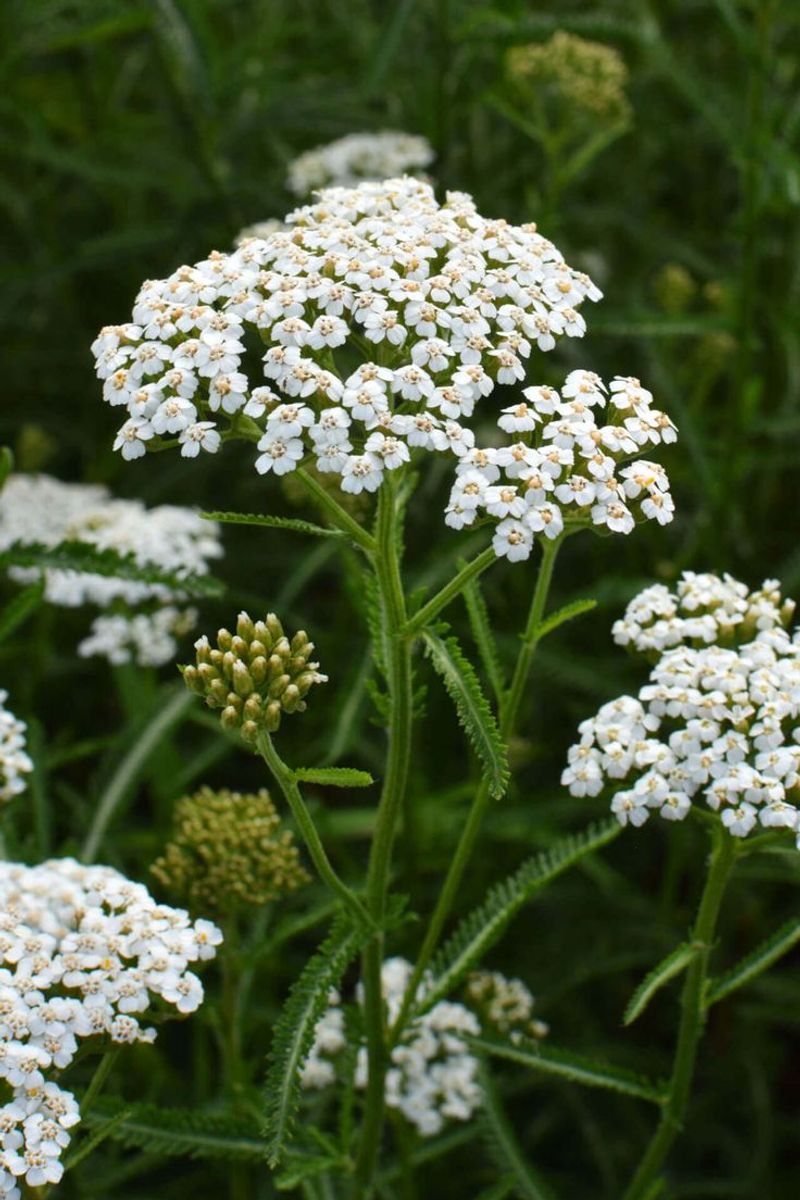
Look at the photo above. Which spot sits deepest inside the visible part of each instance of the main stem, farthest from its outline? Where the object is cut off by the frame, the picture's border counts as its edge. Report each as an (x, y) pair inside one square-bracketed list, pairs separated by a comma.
[(396, 648), (723, 854), (508, 715)]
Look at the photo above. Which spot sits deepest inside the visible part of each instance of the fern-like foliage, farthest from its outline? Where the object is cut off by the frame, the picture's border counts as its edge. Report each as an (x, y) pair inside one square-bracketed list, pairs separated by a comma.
[(79, 556), (294, 1030), (484, 639), (567, 613), (474, 713), (178, 1132), (20, 608), (485, 925), (504, 1149), (265, 520), (552, 1060), (661, 974), (343, 777), (753, 964)]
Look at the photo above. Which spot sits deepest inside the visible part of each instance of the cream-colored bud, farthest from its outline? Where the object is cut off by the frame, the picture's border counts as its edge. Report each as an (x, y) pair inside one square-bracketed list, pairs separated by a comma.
[(242, 680), (258, 670), (274, 626), (245, 627), (239, 647), (272, 715), (229, 718), (278, 686), (224, 638)]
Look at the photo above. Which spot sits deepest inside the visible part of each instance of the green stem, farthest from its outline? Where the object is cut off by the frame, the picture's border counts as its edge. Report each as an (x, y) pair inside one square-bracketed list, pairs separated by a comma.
[(97, 1082), (449, 592), (308, 830), (340, 517), (510, 705), (398, 676), (723, 854)]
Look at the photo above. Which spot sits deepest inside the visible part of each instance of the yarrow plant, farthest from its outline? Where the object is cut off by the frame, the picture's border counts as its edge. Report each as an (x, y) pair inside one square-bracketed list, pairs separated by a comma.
[(15, 763), (144, 618), (87, 957), (392, 326), (358, 157)]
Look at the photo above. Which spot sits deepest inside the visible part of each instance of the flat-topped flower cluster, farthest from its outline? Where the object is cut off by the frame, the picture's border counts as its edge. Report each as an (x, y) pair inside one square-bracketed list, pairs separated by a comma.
[(432, 1076), (357, 157), (564, 467), (15, 763), (41, 510), (718, 718), (85, 953)]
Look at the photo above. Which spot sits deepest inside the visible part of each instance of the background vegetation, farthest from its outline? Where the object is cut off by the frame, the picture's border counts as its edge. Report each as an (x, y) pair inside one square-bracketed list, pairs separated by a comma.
[(136, 136)]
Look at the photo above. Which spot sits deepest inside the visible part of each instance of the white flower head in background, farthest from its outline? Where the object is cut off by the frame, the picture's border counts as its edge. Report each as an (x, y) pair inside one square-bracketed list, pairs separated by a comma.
[(84, 953), (718, 720), (40, 510), (15, 764), (432, 1076), (358, 157)]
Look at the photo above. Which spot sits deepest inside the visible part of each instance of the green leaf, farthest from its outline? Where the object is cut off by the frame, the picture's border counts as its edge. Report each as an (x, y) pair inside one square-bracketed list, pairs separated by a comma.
[(80, 556), (485, 925), (20, 608), (552, 1060), (481, 628), (270, 522), (179, 1132), (504, 1148), (305, 1166), (343, 777), (568, 613), (753, 964), (294, 1030), (475, 715), (667, 969), (87, 1146)]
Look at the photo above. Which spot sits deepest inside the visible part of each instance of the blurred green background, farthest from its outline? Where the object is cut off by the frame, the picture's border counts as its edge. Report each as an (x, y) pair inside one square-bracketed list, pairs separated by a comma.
[(138, 136)]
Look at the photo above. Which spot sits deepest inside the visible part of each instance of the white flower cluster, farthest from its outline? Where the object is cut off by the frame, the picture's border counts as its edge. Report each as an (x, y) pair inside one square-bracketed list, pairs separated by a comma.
[(432, 1077), (506, 1005), (259, 229), (37, 509), (14, 762), (85, 953), (563, 467), (714, 721), (358, 157), (703, 609)]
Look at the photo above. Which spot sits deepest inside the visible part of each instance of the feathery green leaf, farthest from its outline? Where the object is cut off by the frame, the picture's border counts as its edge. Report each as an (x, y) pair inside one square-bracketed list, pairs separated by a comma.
[(20, 608), (481, 628), (752, 965), (485, 924), (552, 1060), (294, 1031), (560, 617), (80, 556), (343, 777), (475, 715), (667, 969), (178, 1132), (270, 522)]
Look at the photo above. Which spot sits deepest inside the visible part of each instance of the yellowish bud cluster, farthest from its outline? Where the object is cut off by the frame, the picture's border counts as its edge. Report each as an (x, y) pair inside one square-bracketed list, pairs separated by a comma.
[(228, 852), (254, 675), (588, 76), (505, 1005)]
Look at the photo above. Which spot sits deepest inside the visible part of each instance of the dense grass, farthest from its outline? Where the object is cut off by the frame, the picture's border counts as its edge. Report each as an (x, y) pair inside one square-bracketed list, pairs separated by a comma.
[(135, 137)]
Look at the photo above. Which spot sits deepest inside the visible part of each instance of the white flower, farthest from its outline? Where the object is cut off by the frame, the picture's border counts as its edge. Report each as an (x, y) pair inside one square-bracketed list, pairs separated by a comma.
[(362, 472), (131, 438), (278, 455), (202, 435), (173, 415), (359, 156), (512, 540), (392, 451), (14, 762)]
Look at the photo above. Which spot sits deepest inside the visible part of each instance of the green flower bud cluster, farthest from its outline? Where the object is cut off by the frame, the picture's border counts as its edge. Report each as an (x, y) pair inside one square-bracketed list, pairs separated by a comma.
[(589, 77), (228, 852), (254, 675)]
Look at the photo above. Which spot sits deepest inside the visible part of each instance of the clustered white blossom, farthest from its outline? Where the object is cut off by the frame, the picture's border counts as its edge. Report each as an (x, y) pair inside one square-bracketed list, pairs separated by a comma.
[(14, 762), (41, 510), (259, 229), (358, 157), (563, 469), (717, 720), (85, 953), (703, 609), (432, 1076), (386, 318)]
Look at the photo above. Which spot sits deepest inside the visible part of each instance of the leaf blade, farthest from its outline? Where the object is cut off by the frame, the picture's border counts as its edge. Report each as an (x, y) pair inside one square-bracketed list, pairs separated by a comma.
[(342, 777), (669, 967), (568, 612), (266, 520), (475, 716), (753, 964), (88, 560), (483, 637)]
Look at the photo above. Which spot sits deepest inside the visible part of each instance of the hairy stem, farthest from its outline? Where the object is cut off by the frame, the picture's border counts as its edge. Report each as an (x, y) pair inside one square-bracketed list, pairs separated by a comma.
[(396, 648), (723, 854), (450, 590), (308, 830), (510, 705), (340, 517)]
